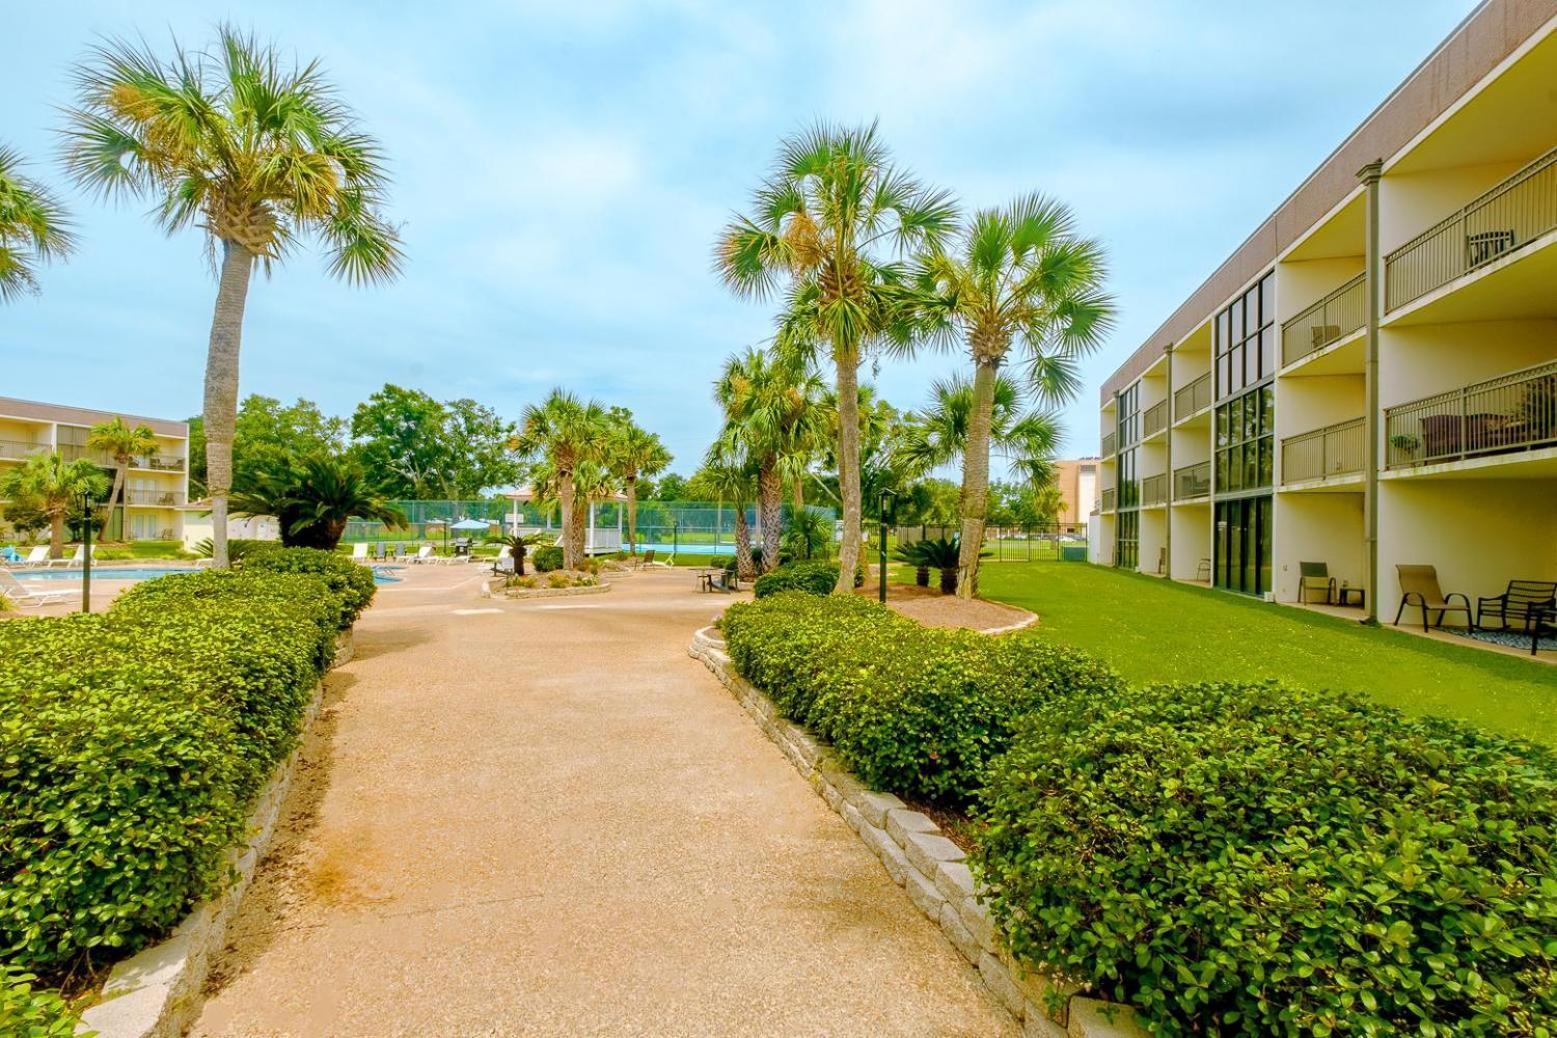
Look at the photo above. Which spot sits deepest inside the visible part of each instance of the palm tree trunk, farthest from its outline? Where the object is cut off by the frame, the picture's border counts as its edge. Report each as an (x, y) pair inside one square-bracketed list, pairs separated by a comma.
[(770, 504), (117, 495), (847, 359), (221, 388), (570, 549), (632, 515), (743, 564), (800, 494), (975, 478), (57, 532)]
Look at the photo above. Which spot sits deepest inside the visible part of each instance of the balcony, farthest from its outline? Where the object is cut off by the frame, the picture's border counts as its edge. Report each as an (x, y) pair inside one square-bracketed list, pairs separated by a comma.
[(1154, 419), (19, 449), (1513, 412), (1335, 450), (1192, 398), (153, 498), (1192, 481), (1500, 222), (1110, 444), (158, 464), (1328, 321), (1154, 490), (1108, 499), (77, 452)]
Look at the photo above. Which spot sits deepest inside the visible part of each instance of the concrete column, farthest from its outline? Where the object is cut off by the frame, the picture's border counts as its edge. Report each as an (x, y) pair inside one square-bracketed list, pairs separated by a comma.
[(1167, 533), (1373, 272)]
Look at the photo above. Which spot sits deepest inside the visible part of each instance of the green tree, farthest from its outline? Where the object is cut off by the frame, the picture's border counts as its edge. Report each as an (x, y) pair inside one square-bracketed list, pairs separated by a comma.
[(33, 228), (829, 224), (258, 153), (51, 484), (939, 434), (670, 487), (1018, 276), (634, 453), (562, 433), (123, 443), (416, 448), (313, 496), (480, 450), (730, 479)]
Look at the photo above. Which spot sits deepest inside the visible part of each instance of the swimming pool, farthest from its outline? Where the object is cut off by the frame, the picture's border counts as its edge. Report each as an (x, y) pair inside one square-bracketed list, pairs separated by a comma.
[(381, 575), (667, 548)]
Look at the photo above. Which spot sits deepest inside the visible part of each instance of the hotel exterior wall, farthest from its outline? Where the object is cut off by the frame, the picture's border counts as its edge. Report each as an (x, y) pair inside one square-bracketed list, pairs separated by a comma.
[(1191, 538), (1421, 360), (1316, 528)]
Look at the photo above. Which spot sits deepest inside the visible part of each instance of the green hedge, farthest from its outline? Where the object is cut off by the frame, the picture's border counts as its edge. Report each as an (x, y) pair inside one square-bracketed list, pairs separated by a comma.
[(815, 578), (30, 1011), (133, 742), (915, 710), (351, 581), (1253, 859), (546, 558)]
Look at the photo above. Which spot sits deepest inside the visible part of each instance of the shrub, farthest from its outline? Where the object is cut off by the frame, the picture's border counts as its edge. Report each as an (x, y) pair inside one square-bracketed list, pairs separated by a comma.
[(816, 578), (131, 744), (32, 1012), (1253, 859), (351, 581), (547, 557)]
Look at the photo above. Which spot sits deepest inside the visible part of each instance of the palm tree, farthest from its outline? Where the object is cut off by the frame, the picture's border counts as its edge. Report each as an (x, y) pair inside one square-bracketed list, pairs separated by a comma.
[(564, 432), (772, 412), (634, 452), (314, 497), (733, 480), (827, 222), (123, 443), (1019, 275), (939, 434), (256, 152), (33, 228), (53, 484)]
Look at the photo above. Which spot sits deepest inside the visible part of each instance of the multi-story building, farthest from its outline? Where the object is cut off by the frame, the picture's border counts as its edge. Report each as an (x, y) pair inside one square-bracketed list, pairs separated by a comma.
[(1076, 480), (1371, 378), (156, 488)]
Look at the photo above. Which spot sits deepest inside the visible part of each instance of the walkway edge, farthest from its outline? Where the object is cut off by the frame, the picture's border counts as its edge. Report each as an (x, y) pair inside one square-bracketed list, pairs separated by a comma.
[(919, 858), (158, 992)]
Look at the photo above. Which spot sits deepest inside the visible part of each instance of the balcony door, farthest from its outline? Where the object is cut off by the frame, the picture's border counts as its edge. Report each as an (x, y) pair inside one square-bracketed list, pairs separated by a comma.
[(1243, 545)]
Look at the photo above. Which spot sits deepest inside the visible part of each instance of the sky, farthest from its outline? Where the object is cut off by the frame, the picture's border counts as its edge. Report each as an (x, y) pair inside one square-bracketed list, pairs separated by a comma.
[(562, 171)]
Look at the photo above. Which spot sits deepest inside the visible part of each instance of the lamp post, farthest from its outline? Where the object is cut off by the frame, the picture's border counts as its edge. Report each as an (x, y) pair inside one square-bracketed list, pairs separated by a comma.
[(881, 595), (86, 551)]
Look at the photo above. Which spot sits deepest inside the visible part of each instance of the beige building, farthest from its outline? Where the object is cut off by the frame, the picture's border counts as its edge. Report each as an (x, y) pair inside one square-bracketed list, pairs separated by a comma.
[(156, 488), (1370, 380), (1076, 480)]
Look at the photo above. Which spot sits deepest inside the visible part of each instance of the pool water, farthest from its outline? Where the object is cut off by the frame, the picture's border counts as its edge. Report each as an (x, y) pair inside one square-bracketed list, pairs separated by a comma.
[(381, 575)]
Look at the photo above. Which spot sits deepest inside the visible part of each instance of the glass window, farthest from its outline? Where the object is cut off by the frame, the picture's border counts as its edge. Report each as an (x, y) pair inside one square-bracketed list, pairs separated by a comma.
[(1245, 340), (1268, 299)]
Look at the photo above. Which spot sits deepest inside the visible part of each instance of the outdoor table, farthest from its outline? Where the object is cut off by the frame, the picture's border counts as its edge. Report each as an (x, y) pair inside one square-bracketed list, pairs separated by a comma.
[(1344, 595)]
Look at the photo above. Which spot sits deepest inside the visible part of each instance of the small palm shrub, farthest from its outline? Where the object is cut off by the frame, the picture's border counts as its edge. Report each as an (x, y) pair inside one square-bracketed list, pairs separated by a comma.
[(913, 553), (547, 558), (237, 548)]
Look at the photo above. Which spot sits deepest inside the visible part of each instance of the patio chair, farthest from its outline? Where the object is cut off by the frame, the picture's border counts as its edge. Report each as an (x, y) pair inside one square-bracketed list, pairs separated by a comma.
[(504, 554), (1528, 601), (1203, 570), (12, 590), (646, 561), (1419, 587), (76, 559), (38, 556), (423, 554), (1315, 576), (359, 552)]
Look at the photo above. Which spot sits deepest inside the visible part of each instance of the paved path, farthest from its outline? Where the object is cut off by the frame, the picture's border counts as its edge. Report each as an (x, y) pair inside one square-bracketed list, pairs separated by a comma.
[(543, 818)]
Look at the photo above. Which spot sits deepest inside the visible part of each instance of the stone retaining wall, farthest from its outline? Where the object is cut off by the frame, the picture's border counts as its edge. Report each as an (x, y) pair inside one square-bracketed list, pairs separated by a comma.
[(157, 992), (930, 867)]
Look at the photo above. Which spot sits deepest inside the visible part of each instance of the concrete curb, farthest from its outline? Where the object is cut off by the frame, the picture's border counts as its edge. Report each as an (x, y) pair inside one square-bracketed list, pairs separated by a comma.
[(921, 860), (1021, 625), (157, 992)]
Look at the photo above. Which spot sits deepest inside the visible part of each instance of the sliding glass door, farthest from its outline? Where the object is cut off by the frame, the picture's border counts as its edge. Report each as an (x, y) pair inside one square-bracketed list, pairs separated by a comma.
[(1243, 545)]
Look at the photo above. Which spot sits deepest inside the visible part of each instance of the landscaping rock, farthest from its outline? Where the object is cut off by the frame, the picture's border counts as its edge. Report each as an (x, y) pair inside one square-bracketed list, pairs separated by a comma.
[(902, 822), (954, 880), (928, 850)]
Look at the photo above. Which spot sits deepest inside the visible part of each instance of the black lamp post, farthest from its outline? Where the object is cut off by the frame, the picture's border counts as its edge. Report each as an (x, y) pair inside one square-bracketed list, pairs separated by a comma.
[(881, 595), (86, 551)]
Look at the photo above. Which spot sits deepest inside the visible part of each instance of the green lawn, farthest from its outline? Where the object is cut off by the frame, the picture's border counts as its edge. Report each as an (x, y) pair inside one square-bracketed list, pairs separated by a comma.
[(1153, 630)]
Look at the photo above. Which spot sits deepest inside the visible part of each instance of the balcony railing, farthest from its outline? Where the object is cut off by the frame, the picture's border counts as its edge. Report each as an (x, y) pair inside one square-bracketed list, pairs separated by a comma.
[(76, 452), (1154, 419), (1335, 450), (1109, 495), (154, 498), (19, 449), (1110, 444), (1191, 398), (1508, 217), (1154, 490), (1192, 481), (159, 464), (1513, 412), (1330, 320)]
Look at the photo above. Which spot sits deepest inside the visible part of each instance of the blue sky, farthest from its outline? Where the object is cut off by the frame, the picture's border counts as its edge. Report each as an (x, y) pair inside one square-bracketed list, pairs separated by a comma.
[(563, 169)]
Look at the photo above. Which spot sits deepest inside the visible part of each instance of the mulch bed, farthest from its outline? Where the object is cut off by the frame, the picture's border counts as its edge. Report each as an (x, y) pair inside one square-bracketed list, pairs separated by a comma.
[(933, 609)]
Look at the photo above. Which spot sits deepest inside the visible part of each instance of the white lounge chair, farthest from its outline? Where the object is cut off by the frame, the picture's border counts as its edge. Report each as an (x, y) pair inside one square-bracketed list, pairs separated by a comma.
[(78, 559), (359, 551), (12, 590), (424, 554), (39, 556)]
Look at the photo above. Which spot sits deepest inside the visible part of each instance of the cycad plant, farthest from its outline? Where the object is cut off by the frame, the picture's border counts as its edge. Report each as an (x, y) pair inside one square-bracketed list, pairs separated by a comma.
[(1017, 277), (52, 485), (313, 498), (33, 228), (256, 152), (562, 433), (519, 545), (829, 227), (124, 443)]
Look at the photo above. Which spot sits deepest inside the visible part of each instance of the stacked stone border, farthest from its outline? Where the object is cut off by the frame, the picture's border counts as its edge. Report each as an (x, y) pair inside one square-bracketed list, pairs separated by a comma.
[(930, 867), (157, 992)]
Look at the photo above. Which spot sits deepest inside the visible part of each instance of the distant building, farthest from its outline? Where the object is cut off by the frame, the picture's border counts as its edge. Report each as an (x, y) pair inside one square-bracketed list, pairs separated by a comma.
[(1076, 480)]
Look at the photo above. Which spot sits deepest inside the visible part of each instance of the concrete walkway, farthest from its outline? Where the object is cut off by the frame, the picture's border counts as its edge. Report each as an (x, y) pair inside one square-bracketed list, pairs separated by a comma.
[(543, 818)]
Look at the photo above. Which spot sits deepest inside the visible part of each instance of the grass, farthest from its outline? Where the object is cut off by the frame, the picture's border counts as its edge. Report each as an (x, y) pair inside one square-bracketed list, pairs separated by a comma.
[(1153, 630)]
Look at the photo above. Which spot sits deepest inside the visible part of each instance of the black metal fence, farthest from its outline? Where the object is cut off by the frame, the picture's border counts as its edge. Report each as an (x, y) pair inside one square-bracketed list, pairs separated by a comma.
[(1061, 542)]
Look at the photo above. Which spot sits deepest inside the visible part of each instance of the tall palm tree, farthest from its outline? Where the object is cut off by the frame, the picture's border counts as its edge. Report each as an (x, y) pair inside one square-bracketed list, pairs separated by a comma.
[(733, 480), (53, 485), (939, 434), (772, 412), (123, 443), (255, 151), (830, 224), (33, 228), (1018, 276), (564, 432), (634, 452)]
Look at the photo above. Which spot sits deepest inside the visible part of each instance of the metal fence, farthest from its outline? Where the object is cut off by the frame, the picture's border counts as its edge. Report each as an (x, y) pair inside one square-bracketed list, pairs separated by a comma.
[(1516, 411), (1330, 320), (1036, 542), (1335, 450), (1191, 398)]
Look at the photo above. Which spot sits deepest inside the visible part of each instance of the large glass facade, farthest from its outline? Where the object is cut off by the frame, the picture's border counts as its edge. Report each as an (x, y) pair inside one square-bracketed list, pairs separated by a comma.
[(1127, 540), (1243, 545), (1245, 442), (1246, 339), (1127, 518)]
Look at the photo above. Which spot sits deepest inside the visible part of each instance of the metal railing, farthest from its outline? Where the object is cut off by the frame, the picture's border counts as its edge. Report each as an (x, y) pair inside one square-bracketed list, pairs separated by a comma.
[(1192, 481), (19, 449), (1330, 320), (1154, 490), (159, 464), (1109, 496), (1154, 419), (154, 498), (1512, 412), (1110, 444), (1511, 215), (1192, 398), (1335, 450)]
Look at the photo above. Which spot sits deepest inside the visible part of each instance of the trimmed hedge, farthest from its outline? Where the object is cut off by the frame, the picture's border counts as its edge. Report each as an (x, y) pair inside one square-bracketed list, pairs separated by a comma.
[(133, 742), (28, 1011), (1255, 859), (351, 581), (815, 578), (546, 558), (916, 710)]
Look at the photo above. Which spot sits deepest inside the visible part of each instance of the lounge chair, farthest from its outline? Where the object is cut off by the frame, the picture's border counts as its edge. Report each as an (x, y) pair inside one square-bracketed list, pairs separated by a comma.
[(77, 559), (1315, 576), (12, 590), (38, 556), (504, 554), (1419, 587), (1527, 601), (646, 561), (424, 554), (359, 552)]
